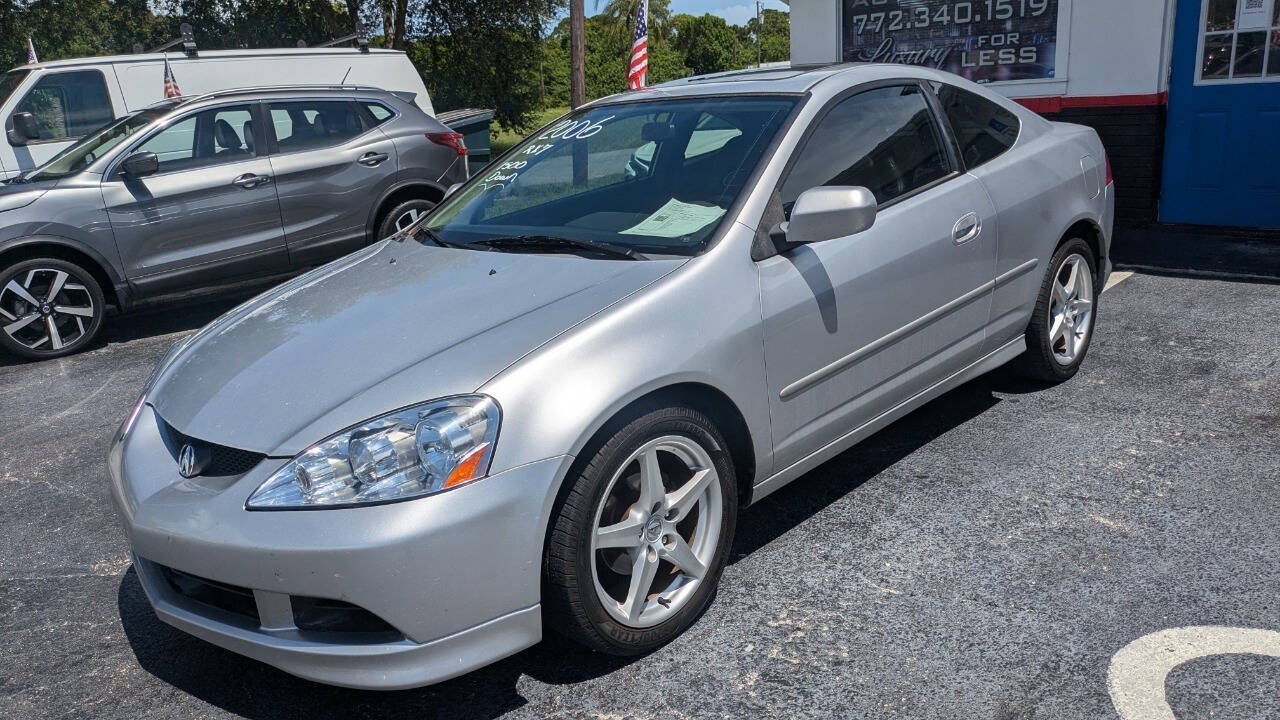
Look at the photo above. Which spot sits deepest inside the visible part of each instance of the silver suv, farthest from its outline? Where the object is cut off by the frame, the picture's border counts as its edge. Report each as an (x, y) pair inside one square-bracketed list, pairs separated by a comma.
[(205, 191)]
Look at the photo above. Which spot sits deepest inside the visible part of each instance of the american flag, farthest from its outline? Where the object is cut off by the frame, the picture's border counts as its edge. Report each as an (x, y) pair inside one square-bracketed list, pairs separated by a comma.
[(638, 68), (171, 89), (31, 52)]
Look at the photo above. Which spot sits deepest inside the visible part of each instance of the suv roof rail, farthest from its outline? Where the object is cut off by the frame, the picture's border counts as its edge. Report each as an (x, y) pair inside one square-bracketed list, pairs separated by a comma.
[(275, 88)]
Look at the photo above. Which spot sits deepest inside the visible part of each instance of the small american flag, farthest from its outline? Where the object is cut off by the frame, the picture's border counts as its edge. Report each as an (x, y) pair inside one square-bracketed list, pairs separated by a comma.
[(31, 52), (171, 89), (638, 68)]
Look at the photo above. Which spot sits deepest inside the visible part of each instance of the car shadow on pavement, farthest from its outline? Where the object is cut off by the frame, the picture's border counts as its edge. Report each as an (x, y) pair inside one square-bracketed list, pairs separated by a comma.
[(254, 690), (778, 513)]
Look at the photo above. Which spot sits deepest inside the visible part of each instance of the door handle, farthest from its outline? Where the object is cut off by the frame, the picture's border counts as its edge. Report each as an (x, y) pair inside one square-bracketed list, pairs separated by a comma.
[(250, 180), (372, 159), (968, 227)]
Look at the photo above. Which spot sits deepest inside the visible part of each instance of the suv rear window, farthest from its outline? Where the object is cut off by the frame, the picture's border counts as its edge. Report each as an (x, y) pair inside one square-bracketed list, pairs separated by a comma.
[(379, 112), (312, 124), (983, 129)]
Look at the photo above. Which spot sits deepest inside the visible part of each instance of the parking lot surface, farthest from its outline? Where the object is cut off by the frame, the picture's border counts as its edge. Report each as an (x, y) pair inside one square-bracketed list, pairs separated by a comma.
[(985, 557)]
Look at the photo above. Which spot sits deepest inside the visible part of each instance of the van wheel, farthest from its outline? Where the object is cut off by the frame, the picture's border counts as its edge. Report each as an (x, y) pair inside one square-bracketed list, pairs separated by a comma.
[(639, 542), (48, 308), (1061, 328), (402, 216)]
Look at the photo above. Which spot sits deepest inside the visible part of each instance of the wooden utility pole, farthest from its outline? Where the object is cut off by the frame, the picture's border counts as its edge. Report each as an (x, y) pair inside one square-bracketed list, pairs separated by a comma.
[(577, 54)]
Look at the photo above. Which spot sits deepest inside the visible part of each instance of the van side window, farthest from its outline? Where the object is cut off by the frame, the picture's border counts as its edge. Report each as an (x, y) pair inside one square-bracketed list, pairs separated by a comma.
[(884, 139), (983, 129), (68, 105), (379, 112), (209, 137), (312, 124)]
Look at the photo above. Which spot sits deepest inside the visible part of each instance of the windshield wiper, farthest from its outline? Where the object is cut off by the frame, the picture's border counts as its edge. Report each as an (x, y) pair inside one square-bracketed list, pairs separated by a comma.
[(535, 243), (435, 238)]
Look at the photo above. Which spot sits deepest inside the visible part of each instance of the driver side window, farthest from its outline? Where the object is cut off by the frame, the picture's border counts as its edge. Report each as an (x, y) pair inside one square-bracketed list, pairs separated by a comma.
[(210, 137), (884, 139)]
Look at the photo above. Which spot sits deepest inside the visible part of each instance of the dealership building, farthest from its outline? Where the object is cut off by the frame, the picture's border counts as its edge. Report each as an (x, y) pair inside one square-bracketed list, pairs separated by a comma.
[(1184, 93)]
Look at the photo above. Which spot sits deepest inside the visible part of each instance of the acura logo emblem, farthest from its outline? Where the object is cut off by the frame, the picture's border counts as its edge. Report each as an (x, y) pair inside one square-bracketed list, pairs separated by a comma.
[(188, 464)]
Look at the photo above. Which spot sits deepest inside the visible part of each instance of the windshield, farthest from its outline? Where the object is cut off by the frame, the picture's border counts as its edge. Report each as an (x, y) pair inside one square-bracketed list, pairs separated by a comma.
[(94, 145), (655, 177), (10, 82)]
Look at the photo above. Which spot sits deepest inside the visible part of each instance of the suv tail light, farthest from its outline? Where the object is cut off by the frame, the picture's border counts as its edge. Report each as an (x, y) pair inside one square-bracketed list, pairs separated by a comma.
[(449, 139), (1107, 156)]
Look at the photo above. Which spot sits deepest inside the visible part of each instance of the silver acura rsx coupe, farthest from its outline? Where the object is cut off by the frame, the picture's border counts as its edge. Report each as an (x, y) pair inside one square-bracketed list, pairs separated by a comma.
[(547, 400)]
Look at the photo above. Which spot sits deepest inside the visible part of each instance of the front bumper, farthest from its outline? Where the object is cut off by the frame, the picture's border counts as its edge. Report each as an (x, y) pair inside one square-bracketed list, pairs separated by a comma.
[(455, 578)]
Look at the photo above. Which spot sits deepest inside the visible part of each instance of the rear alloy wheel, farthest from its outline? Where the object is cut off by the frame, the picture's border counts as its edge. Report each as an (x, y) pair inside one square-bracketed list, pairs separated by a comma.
[(1061, 327), (642, 537), (402, 216), (48, 308)]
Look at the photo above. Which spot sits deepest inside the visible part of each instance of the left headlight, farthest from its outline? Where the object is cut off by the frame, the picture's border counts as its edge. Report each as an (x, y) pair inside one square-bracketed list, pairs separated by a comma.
[(409, 453)]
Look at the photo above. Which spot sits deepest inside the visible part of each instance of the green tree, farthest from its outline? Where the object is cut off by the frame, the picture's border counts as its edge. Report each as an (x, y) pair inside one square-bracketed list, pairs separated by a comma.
[(76, 28), (482, 53), (708, 43), (775, 40)]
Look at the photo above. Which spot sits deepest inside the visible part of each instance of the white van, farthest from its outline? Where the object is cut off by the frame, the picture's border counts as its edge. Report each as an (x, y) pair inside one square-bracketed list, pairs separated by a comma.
[(69, 98)]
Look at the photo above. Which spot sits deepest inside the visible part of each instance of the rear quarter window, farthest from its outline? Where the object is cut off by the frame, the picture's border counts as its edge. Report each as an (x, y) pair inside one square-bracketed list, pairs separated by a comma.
[(983, 129)]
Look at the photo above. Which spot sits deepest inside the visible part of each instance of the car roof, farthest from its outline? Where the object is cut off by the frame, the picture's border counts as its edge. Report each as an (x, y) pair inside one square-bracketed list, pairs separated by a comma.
[(827, 80), (282, 90), (204, 55)]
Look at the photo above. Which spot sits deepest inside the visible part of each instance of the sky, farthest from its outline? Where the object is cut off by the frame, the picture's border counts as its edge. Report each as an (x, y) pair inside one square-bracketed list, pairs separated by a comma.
[(735, 12)]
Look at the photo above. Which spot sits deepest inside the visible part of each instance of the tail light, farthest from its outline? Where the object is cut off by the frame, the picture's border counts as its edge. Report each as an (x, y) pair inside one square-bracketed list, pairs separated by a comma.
[(1110, 178), (449, 139)]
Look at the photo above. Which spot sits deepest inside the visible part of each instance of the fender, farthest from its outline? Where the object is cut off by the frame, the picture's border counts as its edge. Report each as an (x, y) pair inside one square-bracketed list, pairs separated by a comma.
[(401, 180), (119, 284)]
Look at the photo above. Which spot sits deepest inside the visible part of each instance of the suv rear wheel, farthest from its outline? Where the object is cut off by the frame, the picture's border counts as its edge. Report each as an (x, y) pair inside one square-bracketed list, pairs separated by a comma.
[(403, 215), (48, 308)]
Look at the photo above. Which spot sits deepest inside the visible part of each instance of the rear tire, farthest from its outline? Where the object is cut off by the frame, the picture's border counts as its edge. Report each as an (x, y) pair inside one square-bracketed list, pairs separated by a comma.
[(1061, 327), (623, 591), (402, 216), (48, 308)]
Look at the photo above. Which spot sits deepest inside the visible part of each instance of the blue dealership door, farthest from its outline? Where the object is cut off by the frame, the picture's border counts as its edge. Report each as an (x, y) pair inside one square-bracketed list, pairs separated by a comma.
[(1222, 145)]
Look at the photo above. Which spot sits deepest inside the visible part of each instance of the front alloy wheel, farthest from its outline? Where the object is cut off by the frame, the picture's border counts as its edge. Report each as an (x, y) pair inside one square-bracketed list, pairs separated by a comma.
[(657, 529), (641, 537), (48, 308)]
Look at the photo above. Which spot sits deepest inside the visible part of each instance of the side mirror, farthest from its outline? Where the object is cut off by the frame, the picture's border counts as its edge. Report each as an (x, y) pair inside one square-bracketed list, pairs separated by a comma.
[(24, 129), (452, 189), (140, 165), (826, 213)]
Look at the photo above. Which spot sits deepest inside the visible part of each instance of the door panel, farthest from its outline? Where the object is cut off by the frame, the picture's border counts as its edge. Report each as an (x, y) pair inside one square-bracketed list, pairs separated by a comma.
[(329, 172), (856, 325), (1224, 112), (209, 215)]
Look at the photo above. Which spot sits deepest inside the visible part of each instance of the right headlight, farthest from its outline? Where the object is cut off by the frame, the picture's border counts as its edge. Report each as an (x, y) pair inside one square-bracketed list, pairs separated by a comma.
[(406, 454)]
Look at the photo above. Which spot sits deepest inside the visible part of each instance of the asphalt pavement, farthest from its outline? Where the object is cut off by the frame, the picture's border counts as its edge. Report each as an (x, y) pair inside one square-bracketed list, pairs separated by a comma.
[(986, 557)]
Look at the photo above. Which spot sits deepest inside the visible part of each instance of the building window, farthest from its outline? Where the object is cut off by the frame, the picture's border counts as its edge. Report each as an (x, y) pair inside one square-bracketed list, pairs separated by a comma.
[(1240, 40)]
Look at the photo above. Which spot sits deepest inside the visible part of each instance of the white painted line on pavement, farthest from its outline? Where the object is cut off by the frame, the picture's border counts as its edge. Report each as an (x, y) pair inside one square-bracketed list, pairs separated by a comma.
[(1116, 278), (1137, 674)]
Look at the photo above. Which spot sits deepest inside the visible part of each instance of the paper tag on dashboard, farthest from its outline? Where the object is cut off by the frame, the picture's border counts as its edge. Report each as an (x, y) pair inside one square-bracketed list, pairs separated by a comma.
[(675, 219)]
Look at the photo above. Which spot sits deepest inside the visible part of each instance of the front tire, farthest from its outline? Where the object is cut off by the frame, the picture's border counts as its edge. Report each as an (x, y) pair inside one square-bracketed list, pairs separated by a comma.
[(48, 308), (403, 215), (640, 539), (1061, 328)]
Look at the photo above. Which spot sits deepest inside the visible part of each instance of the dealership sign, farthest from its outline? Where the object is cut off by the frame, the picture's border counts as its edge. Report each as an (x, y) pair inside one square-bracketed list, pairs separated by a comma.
[(983, 40)]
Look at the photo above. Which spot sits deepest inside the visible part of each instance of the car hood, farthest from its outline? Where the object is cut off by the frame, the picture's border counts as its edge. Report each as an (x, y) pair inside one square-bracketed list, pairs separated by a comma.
[(390, 326)]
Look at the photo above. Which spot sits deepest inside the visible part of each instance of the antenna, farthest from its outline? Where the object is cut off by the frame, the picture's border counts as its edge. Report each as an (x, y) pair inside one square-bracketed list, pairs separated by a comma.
[(344, 76)]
